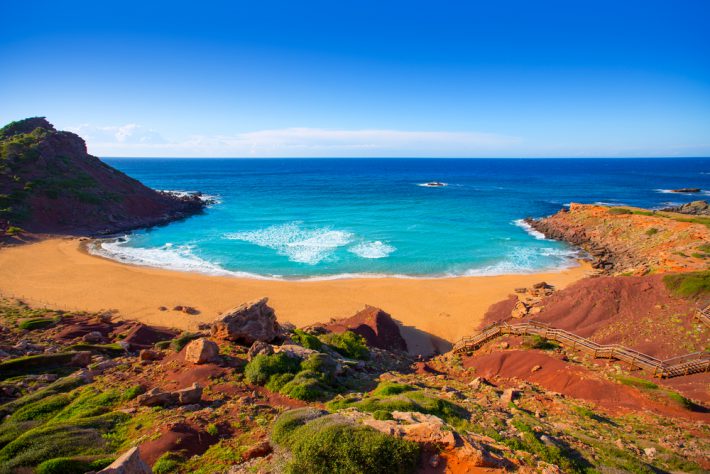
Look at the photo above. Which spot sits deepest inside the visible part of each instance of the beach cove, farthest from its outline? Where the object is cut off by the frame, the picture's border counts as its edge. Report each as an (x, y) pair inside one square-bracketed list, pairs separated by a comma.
[(432, 312)]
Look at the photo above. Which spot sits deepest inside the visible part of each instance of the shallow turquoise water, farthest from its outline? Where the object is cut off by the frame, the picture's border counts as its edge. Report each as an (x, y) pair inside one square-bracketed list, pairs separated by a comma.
[(300, 218)]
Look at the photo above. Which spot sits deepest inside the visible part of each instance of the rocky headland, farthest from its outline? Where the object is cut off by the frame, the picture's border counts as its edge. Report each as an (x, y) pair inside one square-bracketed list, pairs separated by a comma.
[(625, 240), (49, 184)]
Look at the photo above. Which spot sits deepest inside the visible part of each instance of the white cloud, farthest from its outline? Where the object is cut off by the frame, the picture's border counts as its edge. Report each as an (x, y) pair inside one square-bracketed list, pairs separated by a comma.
[(134, 140)]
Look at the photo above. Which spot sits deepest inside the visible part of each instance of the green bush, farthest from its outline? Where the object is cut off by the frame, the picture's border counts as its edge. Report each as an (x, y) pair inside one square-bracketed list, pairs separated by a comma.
[(167, 463), (689, 285), (321, 363), (331, 443), (306, 385), (290, 420), (348, 344), (133, 392), (277, 381), (306, 340), (651, 231), (71, 465), (262, 367), (36, 323), (385, 389), (637, 382), (181, 341), (13, 230), (542, 343)]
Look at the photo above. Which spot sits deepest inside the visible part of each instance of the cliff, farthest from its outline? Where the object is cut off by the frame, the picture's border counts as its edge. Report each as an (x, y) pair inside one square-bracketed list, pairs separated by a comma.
[(50, 184), (631, 240)]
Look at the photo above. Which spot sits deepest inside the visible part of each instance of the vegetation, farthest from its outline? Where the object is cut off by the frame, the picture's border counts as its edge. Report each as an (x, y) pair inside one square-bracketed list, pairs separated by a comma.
[(311, 379), (181, 341), (43, 363), (651, 231), (619, 211), (36, 323), (689, 285), (167, 463), (306, 340), (348, 344), (72, 465), (542, 343), (320, 443)]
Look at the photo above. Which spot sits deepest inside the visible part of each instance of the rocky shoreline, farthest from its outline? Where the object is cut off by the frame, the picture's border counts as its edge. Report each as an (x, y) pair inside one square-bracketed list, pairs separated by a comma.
[(631, 240)]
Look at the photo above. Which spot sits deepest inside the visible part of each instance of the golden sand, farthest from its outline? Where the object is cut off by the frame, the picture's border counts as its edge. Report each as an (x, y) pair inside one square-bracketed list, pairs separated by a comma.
[(432, 312)]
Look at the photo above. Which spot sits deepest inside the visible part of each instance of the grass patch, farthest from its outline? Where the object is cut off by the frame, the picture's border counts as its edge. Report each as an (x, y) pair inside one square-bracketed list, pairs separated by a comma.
[(113, 349), (42, 363), (619, 211), (62, 385), (72, 465), (689, 285), (325, 444), (167, 463), (637, 382), (651, 231)]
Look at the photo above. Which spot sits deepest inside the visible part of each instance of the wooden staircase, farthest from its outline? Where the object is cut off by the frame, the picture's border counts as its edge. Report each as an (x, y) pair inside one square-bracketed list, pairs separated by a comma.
[(683, 365)]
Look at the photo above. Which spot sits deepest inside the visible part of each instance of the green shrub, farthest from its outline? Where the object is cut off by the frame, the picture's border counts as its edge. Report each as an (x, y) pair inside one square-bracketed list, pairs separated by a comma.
[(331, 443), (133, 392), (321, 363), (541, 343), (348, 344), (181, 341), (391, 388), (306, 385), (306, 340), (71, 465), (13, 230), (212, 429), (620, 210), (167, 463), (262, 367), (36, 323), (277, 381), (651, 231), (290, 420), (689, 285)]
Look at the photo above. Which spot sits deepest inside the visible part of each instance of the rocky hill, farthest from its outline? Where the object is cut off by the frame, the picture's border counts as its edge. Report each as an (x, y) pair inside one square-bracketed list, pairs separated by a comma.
[(50, 184), (635, 241)]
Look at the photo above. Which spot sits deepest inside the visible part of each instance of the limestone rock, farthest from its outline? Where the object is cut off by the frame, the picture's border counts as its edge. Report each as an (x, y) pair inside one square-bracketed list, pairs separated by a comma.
[(188, 396), (92, 337), (509, 394), (154, 397), (129, 462), (201, 351), (259, 348), (250, 322), (295, 351)]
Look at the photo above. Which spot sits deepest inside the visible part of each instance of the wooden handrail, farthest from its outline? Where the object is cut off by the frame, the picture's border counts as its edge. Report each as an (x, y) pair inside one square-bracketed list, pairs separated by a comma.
[(680, 365)]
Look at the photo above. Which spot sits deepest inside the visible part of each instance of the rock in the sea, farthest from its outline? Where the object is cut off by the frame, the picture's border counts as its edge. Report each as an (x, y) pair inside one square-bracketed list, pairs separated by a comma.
[(129, 462), (259, 348), (686, 190), (201, 351), (695, 208), (375, 325), (250, 322)]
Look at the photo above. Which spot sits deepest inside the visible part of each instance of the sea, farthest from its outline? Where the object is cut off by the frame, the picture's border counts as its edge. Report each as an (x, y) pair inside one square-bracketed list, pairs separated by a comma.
[(341, 218)]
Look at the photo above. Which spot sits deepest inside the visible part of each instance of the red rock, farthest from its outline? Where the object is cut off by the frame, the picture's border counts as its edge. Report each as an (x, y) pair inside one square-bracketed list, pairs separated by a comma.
[(376, 326), (201, 351)]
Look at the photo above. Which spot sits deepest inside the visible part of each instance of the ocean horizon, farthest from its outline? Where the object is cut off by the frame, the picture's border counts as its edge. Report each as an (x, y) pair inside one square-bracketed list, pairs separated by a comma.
[(324, 218)]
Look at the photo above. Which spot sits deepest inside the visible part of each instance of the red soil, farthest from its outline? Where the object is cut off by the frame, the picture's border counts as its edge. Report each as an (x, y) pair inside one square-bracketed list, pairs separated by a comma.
[(570, 380)]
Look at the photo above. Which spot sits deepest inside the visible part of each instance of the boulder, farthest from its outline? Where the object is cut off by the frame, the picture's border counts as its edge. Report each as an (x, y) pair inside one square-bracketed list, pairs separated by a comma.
[(147, 354), (509, 394), (375, 325), (416, 427), (81, 359), (201, 351), (295, 351), (250, 322), (129, 462), (259, 348), (190, 395), (93, 337), (155, 397)]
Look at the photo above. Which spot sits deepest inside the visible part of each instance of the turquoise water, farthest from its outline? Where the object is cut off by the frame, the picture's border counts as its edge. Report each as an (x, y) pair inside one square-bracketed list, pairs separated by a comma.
[(324, 218)]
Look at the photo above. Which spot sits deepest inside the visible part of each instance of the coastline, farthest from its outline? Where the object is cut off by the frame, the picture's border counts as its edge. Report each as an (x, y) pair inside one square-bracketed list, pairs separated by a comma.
[(432, 312)]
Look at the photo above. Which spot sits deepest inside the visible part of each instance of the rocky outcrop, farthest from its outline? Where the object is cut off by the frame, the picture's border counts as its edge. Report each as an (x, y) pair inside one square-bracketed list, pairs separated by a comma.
[(50, 184), (157, 397), (130, 462), (248, 323), (695, 208), (201, 351), (686, 190), (376, 326), (625, 240)]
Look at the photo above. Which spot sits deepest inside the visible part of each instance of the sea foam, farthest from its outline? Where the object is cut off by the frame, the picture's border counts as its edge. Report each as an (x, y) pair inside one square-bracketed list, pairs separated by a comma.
[(374, 249), (529, 229)]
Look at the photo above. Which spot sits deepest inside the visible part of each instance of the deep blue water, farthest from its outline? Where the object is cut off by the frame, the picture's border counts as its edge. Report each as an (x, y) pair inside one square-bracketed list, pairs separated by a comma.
[(298, 218)]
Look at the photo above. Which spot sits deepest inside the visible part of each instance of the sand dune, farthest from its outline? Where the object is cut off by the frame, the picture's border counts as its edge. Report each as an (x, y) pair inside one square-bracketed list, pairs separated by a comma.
[(432, 312)]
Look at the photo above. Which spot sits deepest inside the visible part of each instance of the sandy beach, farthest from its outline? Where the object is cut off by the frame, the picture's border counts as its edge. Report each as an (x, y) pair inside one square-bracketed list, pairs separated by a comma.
[(432, 312)]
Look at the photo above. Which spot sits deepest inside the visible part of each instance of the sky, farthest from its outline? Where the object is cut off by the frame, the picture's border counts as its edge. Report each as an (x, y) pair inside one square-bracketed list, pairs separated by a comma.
[(367, 78)]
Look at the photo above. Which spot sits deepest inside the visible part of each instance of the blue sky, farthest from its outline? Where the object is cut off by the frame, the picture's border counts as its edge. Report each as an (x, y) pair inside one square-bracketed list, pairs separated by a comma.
[(366, 78)]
